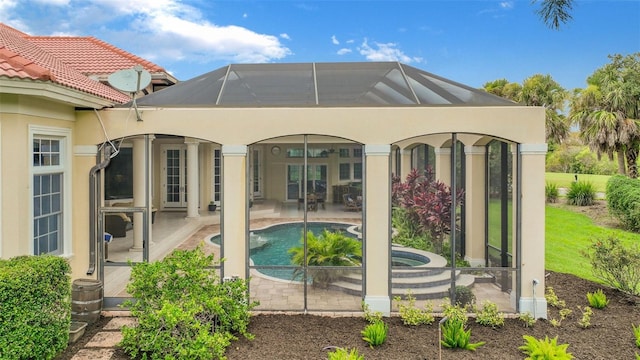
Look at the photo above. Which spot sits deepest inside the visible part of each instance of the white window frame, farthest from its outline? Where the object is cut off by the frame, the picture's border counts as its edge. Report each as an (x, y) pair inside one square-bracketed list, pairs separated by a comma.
[(64, 136), (351, 160)]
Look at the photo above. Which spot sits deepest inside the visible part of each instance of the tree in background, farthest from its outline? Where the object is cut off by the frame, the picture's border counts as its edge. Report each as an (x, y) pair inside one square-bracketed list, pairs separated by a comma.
[(555, 12), (538, 90), (608, 111)]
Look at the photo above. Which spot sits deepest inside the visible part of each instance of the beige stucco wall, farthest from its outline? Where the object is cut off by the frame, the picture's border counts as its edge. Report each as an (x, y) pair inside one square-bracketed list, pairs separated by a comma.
[(234, 128)]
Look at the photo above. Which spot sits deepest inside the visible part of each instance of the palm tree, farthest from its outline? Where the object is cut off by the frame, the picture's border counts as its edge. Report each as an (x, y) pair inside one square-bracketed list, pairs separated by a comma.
[(555, 12), (327, 249), (538, 90), (608, 111)]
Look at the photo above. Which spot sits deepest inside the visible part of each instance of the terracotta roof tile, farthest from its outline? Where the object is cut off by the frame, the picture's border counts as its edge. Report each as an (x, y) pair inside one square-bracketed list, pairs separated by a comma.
[(90, 55), (24, 59)]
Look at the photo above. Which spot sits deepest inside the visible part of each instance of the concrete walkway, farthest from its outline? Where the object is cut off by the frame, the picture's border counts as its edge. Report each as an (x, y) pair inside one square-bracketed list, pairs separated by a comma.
[(103, 344)]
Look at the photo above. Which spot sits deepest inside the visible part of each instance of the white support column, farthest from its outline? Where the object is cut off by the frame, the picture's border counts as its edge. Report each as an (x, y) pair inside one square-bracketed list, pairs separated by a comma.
[(405, 163), (475, 204), (532, 230), (443, 164), (377, 227), (234, 208), (139, 190), (193, 190)]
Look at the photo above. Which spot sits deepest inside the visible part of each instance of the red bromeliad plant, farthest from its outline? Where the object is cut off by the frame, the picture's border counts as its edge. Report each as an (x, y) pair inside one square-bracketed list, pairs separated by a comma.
[(427, 202)]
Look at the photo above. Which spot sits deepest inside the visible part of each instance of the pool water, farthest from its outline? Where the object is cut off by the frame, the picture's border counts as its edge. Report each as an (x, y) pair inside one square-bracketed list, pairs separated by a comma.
[(270, 246)]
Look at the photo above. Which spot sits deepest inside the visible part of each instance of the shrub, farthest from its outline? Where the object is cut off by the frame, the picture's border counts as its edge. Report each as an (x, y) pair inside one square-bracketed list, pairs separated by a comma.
[(411, 315), (408, 232), (623, 201), (465, 296), (345, 354), (375, 333), (551, 192), (527, 319), (546, 349), (370, 316), (489, 315), (456, 312), (35, 307), (327, 249), (615, 264), (585, 320), (183, 310), (454, 335), (552, 298), (636, 333), (581, 193), (597, 299)]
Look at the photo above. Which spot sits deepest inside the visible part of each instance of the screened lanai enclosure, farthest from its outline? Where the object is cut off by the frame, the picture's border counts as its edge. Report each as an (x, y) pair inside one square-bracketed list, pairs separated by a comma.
[(333, 184)]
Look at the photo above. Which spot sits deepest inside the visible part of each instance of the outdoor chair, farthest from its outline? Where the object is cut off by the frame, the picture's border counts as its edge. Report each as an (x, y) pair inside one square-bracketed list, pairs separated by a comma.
[(351, 204)]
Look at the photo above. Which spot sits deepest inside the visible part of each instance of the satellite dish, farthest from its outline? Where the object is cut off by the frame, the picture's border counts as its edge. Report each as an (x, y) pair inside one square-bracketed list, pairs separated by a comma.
[(130, 80)]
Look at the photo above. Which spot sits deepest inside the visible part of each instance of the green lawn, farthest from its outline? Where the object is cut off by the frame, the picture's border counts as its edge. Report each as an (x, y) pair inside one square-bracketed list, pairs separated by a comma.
[(564, 180), (568, 233)]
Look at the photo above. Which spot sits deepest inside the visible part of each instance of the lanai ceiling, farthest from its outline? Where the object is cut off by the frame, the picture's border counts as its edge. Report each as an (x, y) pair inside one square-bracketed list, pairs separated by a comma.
[(319, 84)]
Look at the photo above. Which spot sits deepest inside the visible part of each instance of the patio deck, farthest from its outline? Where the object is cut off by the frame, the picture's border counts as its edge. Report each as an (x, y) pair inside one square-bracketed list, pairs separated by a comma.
[(172, 230)]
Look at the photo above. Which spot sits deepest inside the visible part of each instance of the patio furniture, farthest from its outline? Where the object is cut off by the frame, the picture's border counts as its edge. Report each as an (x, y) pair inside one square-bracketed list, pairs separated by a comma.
[(312, 202), (117, 224), (351, 204), (320, 199)]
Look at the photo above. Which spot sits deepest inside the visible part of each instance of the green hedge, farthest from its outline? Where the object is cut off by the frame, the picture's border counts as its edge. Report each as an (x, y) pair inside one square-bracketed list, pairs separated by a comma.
[(623, 201), (35, 307)]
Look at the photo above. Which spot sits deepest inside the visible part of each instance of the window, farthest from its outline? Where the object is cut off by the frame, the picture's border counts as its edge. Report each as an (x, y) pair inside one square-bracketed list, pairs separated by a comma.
[(351, 166), (118, 176), (357, 171), (345, 171), (49, 189)]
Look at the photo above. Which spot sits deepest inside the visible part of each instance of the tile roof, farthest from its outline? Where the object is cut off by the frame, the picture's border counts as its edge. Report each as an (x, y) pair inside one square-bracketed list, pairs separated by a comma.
[(90, 55), (23, 59)]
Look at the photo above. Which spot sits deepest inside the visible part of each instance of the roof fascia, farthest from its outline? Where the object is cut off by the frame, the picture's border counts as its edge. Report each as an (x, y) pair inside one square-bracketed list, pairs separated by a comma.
[(54, 92)]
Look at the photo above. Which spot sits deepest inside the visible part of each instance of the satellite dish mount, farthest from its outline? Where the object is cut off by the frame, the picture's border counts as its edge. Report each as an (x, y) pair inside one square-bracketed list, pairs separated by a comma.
[(131, 81)]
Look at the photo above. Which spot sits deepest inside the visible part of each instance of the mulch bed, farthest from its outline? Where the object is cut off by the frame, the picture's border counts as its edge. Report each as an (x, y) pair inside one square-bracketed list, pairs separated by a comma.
[(610, 335)]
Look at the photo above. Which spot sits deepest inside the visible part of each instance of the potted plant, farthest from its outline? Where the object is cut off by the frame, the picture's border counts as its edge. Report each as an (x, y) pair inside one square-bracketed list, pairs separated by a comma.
[(212, 206)]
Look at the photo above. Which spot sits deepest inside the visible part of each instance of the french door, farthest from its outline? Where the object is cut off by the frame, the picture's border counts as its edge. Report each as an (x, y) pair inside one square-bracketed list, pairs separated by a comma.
[(316, 180), (174, 176)]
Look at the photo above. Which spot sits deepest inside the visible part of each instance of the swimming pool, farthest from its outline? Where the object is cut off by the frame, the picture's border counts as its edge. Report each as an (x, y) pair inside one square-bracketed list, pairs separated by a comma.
[(270, 246)]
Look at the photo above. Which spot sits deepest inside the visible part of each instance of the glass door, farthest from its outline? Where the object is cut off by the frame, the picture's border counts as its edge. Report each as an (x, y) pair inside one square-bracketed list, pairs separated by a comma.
[(316, 180), (174, 175)]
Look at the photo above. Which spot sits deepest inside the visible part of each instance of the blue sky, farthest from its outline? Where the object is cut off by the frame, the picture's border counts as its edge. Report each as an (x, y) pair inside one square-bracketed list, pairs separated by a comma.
[(471, 42)]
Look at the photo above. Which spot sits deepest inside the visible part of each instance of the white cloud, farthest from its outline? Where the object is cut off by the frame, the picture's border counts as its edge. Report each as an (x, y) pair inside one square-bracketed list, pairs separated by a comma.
[(506, 4), (156, 29), (334, 40), (245, 15), (385, 52), (350, 41), (285, 36), (344, 51)]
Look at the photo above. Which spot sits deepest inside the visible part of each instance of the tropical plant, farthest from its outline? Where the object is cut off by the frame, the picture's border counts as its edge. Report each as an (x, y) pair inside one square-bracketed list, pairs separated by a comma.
[(555, 12), (547, 349), (345, 354), (581, 193), (375, 333), (597, 299), (551, 192), (427, 202), (454, 335), (327, 249), (538, 90), (636, 333), (608, 112)]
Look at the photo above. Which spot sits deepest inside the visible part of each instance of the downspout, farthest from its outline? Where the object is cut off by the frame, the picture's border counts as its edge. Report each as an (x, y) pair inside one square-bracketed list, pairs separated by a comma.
[(93, 194)]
